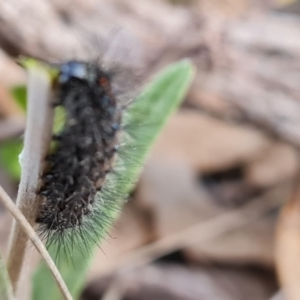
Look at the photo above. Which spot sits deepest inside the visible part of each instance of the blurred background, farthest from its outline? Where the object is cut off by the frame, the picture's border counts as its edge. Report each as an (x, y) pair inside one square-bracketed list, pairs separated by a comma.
[(204, 219)]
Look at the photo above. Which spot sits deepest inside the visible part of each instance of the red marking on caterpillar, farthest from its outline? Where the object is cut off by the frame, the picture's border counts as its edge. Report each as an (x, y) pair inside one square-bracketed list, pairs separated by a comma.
[(84, 155)]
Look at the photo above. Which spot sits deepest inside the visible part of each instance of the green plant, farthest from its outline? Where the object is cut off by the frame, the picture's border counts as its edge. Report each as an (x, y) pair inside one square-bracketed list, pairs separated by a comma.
[(145, 118)]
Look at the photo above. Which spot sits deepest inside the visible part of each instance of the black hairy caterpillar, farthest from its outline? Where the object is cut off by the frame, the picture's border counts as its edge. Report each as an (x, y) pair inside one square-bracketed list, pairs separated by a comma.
[(84, 154)]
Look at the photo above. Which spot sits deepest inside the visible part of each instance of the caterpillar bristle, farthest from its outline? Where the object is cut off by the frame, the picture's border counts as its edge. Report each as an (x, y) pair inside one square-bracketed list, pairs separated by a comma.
[(73, 210)]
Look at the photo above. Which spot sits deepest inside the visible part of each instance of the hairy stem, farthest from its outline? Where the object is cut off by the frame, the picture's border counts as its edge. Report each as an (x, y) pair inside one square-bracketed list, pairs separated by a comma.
[(30, 233), (36, 142)]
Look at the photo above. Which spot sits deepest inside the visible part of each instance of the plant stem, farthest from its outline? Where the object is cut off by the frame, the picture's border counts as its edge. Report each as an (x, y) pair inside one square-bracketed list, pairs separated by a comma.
[(30, 233), (36, 142)]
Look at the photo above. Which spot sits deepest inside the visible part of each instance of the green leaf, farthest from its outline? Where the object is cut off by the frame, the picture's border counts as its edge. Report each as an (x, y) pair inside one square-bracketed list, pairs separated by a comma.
[(59, 119), (5, 285), (19, 93), (144, 119), (28, 62), (10, 149), (9, 157)]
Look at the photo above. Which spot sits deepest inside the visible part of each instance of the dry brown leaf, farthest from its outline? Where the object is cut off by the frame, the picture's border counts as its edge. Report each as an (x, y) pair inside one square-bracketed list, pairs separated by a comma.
[(195, 138), (288, 247)]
